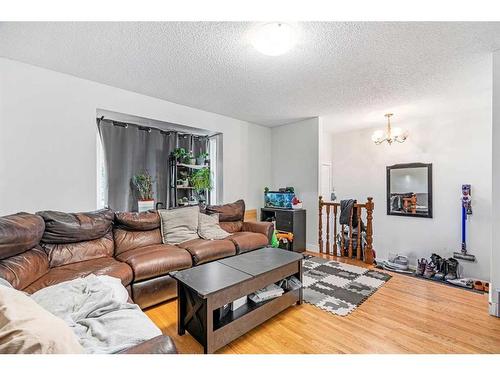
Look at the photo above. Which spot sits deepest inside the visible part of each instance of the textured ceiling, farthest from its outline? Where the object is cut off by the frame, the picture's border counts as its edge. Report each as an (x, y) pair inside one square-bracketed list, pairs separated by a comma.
[(335, 67)]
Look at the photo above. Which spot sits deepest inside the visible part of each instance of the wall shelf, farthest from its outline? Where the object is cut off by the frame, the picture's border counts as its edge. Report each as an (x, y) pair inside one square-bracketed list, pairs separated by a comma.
[(192, 166)]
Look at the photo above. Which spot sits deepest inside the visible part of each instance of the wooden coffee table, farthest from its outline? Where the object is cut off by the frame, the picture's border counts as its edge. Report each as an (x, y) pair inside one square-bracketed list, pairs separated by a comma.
[(202, 290)]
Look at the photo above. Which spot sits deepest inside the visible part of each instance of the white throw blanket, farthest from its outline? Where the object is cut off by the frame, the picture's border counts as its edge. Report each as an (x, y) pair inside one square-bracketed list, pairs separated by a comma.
[(96, 308)]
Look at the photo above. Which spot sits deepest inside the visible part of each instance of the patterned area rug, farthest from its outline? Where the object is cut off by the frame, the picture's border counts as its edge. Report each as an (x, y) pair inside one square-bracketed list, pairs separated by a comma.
[(339, 287)]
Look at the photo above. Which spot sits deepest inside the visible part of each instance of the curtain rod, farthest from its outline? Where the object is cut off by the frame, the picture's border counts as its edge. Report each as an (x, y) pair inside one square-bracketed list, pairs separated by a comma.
[(148, 129)]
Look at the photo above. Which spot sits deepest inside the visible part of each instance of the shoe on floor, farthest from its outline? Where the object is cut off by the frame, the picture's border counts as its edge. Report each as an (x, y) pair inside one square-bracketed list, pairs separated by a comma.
[(451, 269), (478, 285), (399, 262), (436, 259), (430, 270), (421, 263), (465, 283), (441, 268)]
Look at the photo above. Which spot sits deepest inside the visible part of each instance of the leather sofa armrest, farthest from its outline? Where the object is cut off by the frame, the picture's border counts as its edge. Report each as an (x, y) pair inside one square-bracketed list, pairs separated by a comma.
[(264, 227), (158, 345)]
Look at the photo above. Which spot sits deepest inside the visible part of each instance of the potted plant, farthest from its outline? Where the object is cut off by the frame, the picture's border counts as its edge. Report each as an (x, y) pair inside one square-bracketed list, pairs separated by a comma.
[(202, 158), (180, 154), (143, 182), (201, 181), (190, 159)]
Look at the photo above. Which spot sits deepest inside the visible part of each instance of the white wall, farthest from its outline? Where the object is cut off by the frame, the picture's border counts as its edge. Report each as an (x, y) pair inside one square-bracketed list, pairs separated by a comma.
[(48, 140), (295, 155), (455, 136), (495, 250)]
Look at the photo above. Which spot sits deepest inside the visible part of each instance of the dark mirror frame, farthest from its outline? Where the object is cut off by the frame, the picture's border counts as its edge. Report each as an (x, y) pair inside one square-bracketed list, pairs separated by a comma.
[(429, 188)]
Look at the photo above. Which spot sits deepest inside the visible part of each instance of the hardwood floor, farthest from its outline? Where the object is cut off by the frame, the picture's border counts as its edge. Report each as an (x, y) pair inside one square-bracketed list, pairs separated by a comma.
[(406, 315)]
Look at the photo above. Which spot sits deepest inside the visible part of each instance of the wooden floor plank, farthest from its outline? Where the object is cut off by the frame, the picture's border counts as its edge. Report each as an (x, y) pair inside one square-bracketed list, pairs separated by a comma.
[(406, 315)]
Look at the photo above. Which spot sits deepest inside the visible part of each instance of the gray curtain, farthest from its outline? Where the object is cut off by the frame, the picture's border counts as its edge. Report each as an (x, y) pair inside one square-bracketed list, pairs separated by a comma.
[(131, 150)]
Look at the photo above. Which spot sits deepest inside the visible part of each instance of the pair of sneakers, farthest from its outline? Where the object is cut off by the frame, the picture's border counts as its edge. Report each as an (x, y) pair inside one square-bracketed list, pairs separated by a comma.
[(425, 268), (438, 268)]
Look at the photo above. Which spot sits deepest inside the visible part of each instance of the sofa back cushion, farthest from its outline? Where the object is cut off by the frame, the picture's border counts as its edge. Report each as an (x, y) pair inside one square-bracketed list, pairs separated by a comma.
[(27, 328), (23, 269), (126, 240), (138, 221), (19, 232), (231, 226), (136, 229), (228, 212), (63, 228), (65, 253), (179, 224)]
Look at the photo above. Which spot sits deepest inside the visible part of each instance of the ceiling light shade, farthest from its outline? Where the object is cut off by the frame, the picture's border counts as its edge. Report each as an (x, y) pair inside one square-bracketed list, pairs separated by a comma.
[(390, 135), (274, 39)]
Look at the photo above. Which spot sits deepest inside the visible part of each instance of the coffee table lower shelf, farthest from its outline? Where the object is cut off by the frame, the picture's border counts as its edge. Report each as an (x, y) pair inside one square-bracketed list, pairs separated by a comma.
[(273, 306), (201, 322)]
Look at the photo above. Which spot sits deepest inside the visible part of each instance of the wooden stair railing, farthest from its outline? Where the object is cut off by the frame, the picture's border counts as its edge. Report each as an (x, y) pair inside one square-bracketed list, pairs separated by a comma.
[(332, 248)]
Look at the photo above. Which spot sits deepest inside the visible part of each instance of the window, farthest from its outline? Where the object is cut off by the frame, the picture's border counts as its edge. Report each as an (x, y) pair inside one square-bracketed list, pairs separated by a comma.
[(212, 150)]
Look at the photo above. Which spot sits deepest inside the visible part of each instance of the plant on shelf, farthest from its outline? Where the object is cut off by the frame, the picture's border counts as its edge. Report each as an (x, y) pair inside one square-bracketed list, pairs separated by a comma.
[(190, 159), (143, 182), (180, 153), (201, 181), (202, 158)]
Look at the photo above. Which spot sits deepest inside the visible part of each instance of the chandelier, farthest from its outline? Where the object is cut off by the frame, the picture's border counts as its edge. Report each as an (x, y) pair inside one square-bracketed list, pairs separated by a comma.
[(390, 135)]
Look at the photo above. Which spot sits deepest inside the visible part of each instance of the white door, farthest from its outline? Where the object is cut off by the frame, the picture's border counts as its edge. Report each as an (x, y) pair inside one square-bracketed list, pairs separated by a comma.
[(326, 181)]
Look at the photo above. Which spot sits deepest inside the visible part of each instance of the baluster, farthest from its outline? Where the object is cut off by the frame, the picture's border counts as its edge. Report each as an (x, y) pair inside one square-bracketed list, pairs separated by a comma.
[(328, 229), (349, 249), (320, 224), (369, 231), (342, 241), (335, 230), (358, 247)]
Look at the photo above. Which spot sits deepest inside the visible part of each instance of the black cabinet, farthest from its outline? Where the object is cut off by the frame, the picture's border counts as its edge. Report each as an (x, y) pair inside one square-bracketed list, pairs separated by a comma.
[(288, 221)]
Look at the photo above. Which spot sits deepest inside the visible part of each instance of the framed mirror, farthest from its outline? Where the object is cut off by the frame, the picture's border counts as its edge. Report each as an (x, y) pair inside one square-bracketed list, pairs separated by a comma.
[(409, 190)]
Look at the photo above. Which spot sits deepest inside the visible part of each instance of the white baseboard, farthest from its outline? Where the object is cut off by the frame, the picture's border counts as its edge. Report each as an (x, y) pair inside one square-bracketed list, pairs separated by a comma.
[(312, 247)]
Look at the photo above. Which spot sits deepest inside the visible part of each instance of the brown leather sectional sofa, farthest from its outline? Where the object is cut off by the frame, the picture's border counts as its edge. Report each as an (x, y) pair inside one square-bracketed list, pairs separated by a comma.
[(49, 247)]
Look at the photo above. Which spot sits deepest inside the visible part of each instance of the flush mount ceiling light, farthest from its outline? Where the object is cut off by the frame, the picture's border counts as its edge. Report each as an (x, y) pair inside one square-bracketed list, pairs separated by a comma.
[(274, 39), (390, 135)]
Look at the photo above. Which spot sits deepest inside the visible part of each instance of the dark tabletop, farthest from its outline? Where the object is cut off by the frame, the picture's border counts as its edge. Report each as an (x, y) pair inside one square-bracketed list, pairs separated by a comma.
[(212, 277), (261, 261)]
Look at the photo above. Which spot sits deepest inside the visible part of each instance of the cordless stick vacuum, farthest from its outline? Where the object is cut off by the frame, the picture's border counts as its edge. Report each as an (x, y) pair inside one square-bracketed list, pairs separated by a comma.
[(466, 211)]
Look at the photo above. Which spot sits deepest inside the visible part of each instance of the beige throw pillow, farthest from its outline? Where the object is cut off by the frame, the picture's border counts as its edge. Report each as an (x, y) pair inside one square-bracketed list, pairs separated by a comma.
[(27, 328), (209, 228), (179, 225)]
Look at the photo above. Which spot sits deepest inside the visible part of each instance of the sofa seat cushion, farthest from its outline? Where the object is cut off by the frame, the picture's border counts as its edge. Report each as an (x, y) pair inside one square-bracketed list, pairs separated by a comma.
[(155, 260), (204, 251), (100, 266), (248, 241)]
